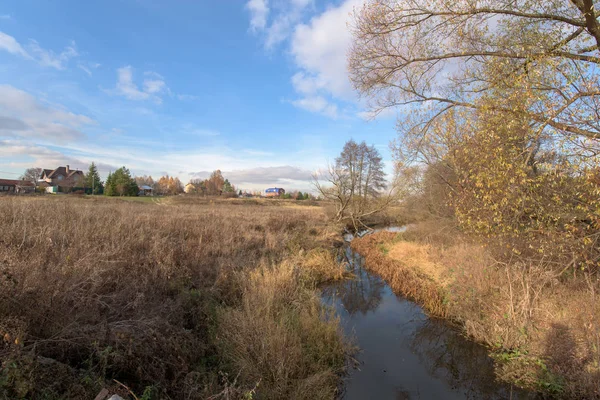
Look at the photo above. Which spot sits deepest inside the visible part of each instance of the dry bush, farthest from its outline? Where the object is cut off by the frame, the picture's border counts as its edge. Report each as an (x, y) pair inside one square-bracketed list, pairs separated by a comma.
[(111, 289), (281, 339)]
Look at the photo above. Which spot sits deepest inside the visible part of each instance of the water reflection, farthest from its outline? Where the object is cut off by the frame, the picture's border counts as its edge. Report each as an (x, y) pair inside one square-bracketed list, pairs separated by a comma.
[(361, 294), (404, 354)]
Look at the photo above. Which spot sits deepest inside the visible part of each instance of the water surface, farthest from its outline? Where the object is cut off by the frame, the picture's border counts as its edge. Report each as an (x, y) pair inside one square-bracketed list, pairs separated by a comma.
[(404, 354)]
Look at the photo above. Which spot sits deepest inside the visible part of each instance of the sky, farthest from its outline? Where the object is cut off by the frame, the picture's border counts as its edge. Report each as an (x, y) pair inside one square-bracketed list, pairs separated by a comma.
[(255, 88)]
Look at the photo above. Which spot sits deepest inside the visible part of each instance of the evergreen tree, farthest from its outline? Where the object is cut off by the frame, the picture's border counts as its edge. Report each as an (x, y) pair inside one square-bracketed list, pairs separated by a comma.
[(120, 183), (240, 193), (227, 186), (300, 196), (92, 180), (109, 188)]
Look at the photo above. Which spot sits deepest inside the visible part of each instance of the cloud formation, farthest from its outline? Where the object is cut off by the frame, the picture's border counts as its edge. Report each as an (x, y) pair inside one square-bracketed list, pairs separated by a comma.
[(153, 86), (265, 176), (319, 49), (10, 44), (34, 51), (22, 115), (47, 58), (259, 11), (285, 15)]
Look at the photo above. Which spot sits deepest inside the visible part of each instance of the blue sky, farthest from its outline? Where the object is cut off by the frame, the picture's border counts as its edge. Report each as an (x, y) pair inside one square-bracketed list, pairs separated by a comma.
[(255, 88)]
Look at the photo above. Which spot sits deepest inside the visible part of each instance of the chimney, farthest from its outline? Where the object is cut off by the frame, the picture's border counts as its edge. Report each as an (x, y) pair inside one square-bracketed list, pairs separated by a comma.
[(68, 169)]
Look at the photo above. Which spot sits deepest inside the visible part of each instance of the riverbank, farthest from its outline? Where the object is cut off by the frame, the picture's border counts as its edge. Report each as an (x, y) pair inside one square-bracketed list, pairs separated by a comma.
[(181, 299), (543, 333)]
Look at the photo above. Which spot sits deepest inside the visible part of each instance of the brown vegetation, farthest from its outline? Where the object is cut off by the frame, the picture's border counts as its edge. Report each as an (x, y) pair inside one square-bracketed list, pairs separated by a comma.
[(174, 300)]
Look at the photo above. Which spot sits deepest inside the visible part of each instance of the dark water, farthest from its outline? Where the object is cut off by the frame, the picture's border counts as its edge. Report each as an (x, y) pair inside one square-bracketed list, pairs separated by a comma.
[(403, 353)]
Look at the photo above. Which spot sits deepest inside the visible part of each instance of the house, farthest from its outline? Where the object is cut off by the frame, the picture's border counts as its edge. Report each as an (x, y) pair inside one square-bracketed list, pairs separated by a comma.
[(61, 179), (15, 186), (274, 192), (145, 190)]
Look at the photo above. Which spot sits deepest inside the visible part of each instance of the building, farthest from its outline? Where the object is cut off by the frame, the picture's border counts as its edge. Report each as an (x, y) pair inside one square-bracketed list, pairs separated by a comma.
[(16, 186), (145, 190), (61, 179), (274, 192)]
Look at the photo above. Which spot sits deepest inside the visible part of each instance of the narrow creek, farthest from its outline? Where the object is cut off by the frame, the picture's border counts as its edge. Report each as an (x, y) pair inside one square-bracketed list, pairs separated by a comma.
[(403, 353)]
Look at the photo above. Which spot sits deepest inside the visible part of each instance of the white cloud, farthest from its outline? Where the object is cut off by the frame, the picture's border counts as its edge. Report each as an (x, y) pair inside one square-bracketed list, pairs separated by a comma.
[(87, 67), (44, 57), (10, 44), (286, 14), (153, 85), (259, 11), (5, 16), (317, 104), (48, 58), (22, 115), (319, 49), (263, 177)]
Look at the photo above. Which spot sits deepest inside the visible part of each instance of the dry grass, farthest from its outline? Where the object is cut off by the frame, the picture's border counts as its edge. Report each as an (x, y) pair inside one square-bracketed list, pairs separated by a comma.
[(156, 296), (543, 329)]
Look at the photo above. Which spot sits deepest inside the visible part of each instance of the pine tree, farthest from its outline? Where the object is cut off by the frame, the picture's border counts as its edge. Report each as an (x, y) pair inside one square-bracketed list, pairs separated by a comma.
[(92, 180), (227, 187), (120, 183), (110, 189)]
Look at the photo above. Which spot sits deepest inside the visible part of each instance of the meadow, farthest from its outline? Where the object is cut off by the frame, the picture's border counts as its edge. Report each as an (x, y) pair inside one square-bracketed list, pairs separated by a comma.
[(184, 298)]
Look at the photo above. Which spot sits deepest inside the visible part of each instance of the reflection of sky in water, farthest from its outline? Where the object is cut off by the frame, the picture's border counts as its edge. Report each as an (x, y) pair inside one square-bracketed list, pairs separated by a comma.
[(404, 354)]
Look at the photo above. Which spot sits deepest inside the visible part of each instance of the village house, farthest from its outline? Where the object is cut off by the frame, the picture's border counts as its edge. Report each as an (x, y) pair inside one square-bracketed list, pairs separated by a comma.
[(16, 186), (274, 192), (146, 190), (61, 179)]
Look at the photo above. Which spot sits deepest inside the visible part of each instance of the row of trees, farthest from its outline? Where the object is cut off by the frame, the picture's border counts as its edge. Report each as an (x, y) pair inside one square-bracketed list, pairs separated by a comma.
[(215, 185), (121, 183)]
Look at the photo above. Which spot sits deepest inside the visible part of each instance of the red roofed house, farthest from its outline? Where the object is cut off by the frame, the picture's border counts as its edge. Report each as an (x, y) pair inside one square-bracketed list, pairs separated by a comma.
[(63, 177), (14, 186)]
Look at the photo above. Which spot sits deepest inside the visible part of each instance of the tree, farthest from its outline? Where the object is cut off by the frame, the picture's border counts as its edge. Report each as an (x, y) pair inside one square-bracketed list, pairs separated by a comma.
[(109, 186), (168, 185), (120, 183), (92, 180), (199, 186), (300, 196), (355, 184), (240, 193), (228, 187), (447, 55), (214, 184), (32, 175), (145, 181)]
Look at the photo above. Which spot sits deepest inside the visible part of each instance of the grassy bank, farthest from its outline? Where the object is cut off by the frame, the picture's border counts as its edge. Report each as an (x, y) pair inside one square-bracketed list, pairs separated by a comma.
[(542, 328), (184, 298)]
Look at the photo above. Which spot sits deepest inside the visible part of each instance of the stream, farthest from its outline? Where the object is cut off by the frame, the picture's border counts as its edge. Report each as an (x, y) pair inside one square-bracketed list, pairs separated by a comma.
[(403, 353)]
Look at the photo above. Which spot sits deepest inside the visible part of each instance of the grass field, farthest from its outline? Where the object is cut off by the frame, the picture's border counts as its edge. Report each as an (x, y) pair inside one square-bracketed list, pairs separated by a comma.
[(180, 298)]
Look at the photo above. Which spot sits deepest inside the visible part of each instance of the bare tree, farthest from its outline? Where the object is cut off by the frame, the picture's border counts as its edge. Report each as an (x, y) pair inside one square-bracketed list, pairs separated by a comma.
[(355, 184), (441, 55), (32, 175)]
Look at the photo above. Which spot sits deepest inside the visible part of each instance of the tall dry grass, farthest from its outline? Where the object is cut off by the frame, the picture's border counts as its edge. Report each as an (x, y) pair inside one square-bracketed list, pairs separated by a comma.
[(95, 290)]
